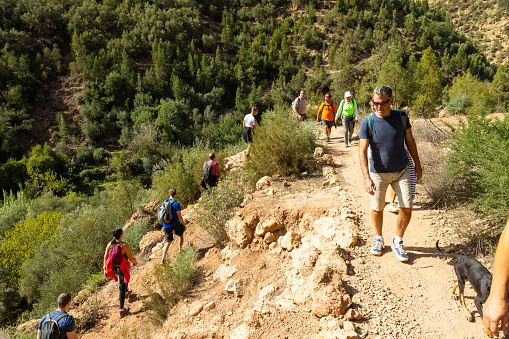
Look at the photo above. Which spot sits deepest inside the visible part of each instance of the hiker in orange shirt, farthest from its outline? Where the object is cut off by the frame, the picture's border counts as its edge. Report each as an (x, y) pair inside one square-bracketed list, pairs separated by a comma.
[(326, 115)]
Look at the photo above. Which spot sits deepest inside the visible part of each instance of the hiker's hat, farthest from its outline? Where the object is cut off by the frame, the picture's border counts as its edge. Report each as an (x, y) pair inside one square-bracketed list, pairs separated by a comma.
[(348, 94)]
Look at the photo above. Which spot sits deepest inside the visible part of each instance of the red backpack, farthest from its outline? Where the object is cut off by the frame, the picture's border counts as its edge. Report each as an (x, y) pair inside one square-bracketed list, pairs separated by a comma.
[(115, 254)]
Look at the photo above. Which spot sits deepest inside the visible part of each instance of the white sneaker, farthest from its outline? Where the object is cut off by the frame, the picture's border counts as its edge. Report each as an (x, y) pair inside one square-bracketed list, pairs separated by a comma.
[(378, 247), (393, 208), (399, 251)]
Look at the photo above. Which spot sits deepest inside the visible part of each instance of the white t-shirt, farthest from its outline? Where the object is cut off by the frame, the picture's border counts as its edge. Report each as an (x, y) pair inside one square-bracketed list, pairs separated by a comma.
[(250, 121)]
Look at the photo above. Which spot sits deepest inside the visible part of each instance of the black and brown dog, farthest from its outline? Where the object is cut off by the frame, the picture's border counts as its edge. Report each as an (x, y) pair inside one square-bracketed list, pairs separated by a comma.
[(467, 268)]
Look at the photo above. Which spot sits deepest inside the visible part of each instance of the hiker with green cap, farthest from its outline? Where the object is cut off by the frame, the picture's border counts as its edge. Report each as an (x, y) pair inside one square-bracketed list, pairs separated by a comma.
[(348, 114)]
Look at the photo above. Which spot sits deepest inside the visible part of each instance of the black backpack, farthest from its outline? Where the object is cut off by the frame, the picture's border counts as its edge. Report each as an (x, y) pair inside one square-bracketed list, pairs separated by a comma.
[(164, 212), (207, 172), (50, 329)]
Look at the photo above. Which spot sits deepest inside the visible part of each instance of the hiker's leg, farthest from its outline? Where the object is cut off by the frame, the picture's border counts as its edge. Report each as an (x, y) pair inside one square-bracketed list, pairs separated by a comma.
[(403, 188), (345, 130), (351, 126), (181, 242), (168, 237), (122, 286), (381, 181)]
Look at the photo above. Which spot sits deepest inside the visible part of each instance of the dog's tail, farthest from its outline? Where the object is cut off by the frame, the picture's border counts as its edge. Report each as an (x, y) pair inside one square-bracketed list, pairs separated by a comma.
[(454, 255)]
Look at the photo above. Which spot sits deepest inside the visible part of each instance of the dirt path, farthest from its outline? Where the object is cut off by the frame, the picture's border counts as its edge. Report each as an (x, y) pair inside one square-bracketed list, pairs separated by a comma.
[(405, 300)]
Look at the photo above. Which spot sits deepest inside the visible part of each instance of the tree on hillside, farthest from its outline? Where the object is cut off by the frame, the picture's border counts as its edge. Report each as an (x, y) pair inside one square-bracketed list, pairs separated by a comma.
[(428, 76)]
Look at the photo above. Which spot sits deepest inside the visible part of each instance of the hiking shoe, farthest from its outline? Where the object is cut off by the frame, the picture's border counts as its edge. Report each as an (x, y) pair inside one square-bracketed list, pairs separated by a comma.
[(377, 248), (346, 145), (393, 208), (124, 311), (328, 139), (128, 293), (399, 251), (349, 141)]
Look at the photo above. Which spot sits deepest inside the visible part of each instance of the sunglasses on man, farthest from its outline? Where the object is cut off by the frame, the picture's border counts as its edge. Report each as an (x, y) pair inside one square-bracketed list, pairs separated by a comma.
[(383, 103)]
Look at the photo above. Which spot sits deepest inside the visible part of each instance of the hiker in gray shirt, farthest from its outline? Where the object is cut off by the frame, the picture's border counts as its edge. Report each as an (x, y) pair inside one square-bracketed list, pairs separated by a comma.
[(299, 106)]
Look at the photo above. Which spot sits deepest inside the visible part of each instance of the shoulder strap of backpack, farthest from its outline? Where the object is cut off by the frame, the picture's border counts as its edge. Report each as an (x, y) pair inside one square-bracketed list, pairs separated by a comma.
[(353, 101), (404, 122), (60, 317), (370, 125)]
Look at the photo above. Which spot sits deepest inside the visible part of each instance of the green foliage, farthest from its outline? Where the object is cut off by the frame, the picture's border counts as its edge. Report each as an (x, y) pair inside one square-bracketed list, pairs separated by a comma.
[(281, 145), (20, 242), (13, 209), (49, 202), (429, 82), (217, 206), (468, 91), (77, 251), (174, 280), (135, 233), (184, 173), (478, 161)]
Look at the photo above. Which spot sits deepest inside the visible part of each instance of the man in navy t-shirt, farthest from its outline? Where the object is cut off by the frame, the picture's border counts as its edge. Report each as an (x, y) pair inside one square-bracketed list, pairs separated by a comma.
[(385, 131), (177, 225), (66, 323)]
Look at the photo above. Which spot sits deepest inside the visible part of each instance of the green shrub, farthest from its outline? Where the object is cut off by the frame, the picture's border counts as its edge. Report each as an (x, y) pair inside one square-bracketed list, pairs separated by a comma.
[(459, 104), (216, 206), (52, 203), (174, 282), (100, 155), (77, 250), (184, 173), (479, 162), (13, 209), (282, 145), (92, 174), (84, 155), (135, 233), (20, 242)]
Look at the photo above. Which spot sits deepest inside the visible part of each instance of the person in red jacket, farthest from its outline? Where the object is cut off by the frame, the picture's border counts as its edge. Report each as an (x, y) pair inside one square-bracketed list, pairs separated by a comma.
[(116, 258)]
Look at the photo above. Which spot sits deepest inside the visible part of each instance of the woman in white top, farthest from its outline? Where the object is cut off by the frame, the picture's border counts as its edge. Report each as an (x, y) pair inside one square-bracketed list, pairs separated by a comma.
[(249, 124)]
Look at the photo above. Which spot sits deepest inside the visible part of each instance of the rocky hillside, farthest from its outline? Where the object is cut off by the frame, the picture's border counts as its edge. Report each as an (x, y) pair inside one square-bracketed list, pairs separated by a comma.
[(298, 266), (485, 22)]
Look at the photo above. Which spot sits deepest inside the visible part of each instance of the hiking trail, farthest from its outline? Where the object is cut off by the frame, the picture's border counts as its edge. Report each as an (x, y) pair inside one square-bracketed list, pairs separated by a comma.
[(268, 297)]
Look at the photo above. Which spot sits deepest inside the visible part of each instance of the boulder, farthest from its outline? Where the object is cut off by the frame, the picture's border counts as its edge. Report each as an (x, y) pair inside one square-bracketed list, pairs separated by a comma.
[(29, 326), (305, 257), (269, 238), (239, 232), (237, 287), (243, 332), (329, 296), (209, 306), (353, 314), (149, 241), (328, 172), (333, 259), (290, 241), (269, 225), (342, 232), (251, 221), (325, 160), (263, 182), (299, 292), (224, 272), (196, 309), (318, 152), (227, 254)]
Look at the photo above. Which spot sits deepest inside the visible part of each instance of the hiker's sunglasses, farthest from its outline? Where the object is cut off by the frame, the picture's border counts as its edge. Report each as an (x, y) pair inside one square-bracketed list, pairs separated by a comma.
[(383, 103)]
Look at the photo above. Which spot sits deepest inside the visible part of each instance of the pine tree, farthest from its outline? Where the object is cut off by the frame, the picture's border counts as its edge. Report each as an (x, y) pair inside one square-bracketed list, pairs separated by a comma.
[(428, 76)]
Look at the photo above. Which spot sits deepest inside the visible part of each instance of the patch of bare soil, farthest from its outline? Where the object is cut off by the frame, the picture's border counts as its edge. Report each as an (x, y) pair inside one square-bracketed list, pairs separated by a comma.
[(394, 299)]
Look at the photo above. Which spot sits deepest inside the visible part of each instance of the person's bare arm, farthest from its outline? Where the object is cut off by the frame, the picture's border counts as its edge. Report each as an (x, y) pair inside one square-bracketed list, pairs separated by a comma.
[(369, 185), (244, 123), (412, 148), (127, 251), (495, 309), (181, 219), (38, 334), (106, 250), (72, 335)]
